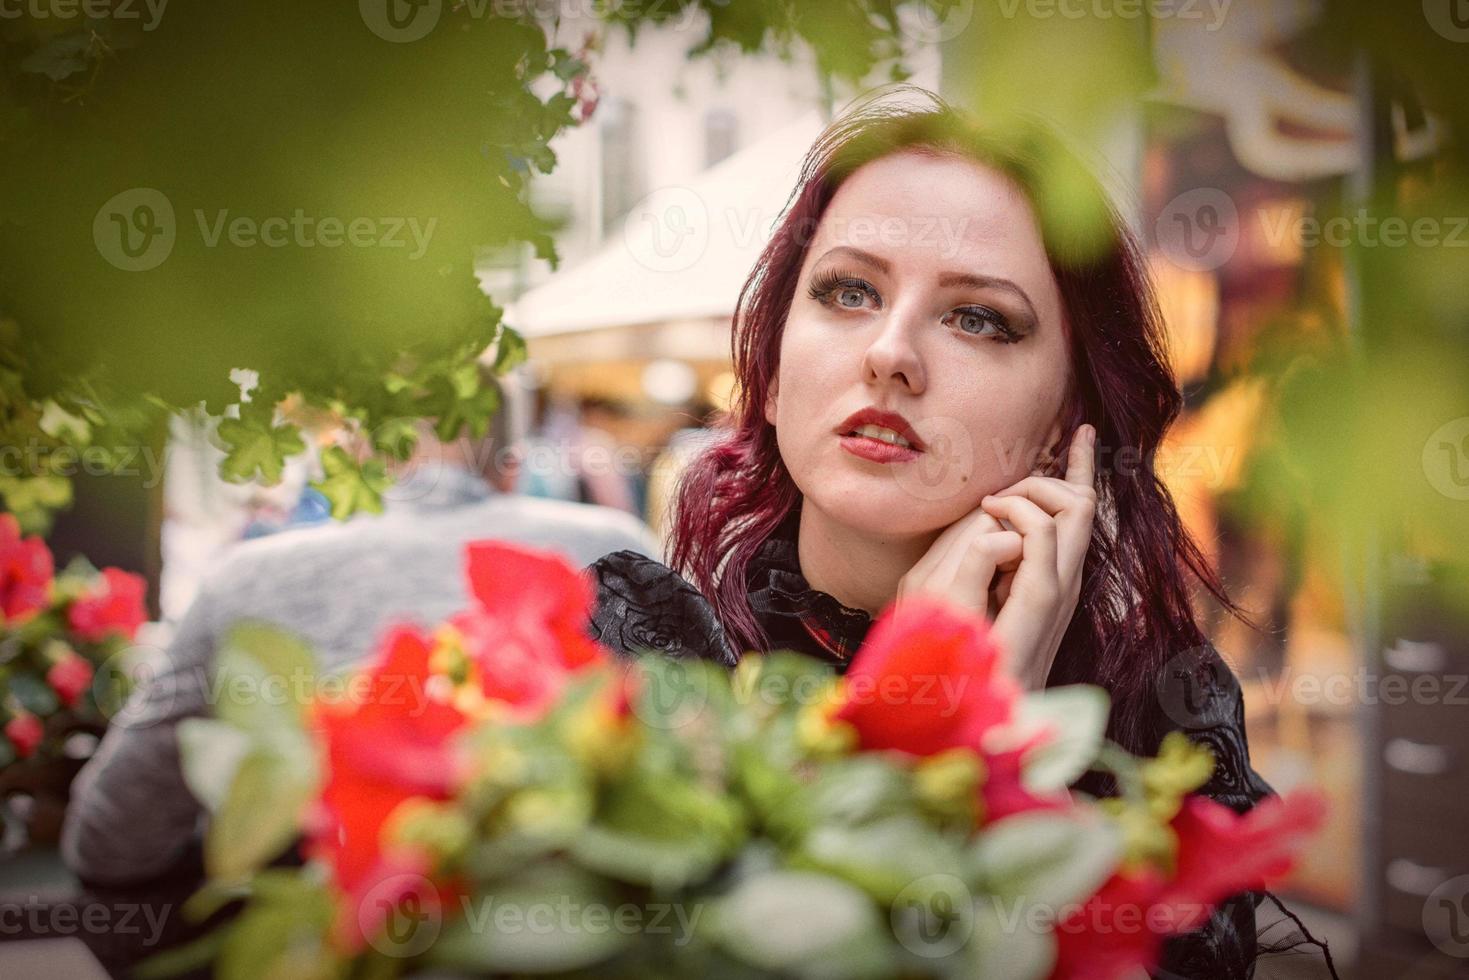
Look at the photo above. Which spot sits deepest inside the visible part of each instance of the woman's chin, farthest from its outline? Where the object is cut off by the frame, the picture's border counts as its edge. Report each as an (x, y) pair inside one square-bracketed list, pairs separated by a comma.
[(883, 507)]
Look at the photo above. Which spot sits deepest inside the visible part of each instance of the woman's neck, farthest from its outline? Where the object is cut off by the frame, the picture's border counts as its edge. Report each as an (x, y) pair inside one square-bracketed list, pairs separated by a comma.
[(859, 570)]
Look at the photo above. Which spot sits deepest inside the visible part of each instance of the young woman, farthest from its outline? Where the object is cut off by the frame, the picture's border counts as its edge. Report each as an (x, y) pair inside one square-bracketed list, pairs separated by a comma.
[(952, 382)]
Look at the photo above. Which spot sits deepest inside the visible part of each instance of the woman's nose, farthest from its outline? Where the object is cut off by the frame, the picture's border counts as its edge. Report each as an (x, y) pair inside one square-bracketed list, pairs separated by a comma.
[(893, 356)]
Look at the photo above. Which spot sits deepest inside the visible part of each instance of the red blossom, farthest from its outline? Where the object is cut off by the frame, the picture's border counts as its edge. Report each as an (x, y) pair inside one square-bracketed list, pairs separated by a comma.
[(527, 631), (518, 645), (26, 569), (390, 744), (1120, 930), (929, 678), (115, 605), (24, 731), (69, 677)]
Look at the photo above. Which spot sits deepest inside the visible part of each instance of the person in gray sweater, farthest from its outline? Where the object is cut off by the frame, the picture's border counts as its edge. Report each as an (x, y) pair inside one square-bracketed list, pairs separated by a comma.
[(335, 586)]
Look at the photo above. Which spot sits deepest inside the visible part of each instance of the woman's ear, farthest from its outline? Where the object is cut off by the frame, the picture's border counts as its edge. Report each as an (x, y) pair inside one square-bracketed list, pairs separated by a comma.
[(770, 404)]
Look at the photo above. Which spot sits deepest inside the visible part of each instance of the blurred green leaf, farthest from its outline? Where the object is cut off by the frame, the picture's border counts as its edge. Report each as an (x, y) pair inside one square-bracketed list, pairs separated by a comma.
[(254, 446), (351, 486), (801, 923)]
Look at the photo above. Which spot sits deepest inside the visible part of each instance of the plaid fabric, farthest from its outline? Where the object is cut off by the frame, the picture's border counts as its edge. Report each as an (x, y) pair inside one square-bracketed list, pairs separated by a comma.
[(796, 616)]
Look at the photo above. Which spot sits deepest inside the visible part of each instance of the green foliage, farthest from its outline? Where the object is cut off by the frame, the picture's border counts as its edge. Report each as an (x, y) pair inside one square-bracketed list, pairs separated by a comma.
[(293, 189), (254, 766), (767, 851)]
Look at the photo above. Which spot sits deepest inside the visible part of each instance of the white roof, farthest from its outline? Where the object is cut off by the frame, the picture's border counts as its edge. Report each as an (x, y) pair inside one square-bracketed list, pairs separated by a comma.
[(683, 252)]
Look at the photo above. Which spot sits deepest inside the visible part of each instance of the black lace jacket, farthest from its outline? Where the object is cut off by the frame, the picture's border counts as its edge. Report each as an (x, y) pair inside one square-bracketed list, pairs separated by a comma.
[(643, 605)]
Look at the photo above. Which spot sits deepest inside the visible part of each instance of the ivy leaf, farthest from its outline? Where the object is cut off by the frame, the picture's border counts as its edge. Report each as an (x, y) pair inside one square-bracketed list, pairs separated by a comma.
[(510, 350), (460, 399), (351, 487), (34, 499), (60, 57), (257, 446), (396, 437)]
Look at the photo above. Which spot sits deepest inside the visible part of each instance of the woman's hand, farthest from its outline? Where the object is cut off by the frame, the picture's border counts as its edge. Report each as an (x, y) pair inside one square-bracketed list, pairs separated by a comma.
[(1025, 577)]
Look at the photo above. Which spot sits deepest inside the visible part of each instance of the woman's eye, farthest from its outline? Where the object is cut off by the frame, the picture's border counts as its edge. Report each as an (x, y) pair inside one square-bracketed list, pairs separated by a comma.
[(844, 292), (975, 322)]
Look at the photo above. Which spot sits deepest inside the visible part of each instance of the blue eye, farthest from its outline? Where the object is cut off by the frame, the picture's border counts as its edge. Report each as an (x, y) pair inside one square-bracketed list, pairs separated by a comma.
[(843, 290), (973, 320)]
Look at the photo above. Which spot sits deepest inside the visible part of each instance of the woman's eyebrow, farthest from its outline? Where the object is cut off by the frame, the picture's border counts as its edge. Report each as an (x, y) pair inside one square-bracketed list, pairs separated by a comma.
[(975, 281), (970, 279)]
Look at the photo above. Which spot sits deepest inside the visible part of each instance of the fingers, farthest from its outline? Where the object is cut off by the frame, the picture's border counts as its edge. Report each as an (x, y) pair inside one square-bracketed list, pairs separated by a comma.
[(1038, 535), (1054, 496), (972, 561), (1080, 462)]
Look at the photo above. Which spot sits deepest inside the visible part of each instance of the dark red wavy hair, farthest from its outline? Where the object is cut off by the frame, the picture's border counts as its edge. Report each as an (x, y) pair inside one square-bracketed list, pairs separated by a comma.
[(1134, 612)]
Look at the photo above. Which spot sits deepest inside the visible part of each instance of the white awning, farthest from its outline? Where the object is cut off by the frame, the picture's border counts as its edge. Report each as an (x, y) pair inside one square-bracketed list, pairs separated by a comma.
[(683, 252)]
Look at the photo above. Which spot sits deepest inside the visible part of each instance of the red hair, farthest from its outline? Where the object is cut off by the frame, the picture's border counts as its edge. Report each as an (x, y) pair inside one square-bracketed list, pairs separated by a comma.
[(1134, 612)]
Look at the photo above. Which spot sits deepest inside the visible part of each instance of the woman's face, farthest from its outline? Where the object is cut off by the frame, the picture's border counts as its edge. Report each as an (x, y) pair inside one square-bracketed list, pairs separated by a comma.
[(925, 292)]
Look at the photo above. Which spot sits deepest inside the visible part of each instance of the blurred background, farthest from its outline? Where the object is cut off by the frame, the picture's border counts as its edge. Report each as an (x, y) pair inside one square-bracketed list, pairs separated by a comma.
[(1295, 170)]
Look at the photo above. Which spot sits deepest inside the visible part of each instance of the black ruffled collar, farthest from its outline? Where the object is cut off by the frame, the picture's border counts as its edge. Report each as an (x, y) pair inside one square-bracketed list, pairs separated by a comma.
[(796, 616)]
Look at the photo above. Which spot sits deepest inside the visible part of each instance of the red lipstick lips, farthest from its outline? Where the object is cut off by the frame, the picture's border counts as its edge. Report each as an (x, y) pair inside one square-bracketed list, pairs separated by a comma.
[(878, 450)]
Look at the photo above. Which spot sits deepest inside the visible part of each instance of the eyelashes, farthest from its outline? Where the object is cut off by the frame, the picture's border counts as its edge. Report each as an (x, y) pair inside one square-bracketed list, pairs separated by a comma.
[(826, 286)]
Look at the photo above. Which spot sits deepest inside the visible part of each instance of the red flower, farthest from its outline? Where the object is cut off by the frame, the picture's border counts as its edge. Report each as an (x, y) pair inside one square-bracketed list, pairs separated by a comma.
[(69, 677), (24, 732), (385, 746), (26, 569), (1120, 930), (114, 606), (527, 632), (929, 678)]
